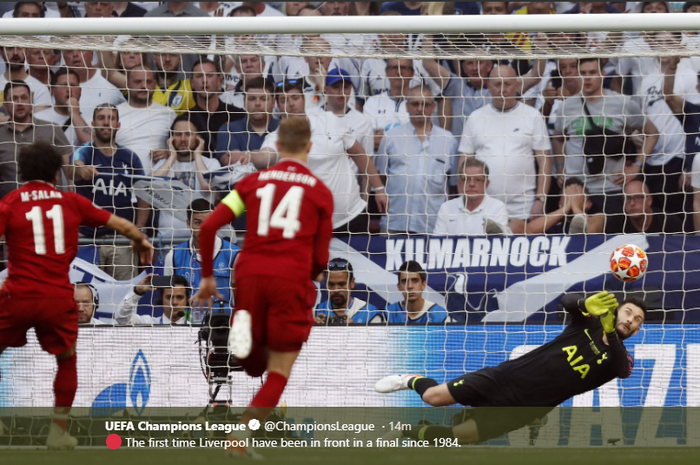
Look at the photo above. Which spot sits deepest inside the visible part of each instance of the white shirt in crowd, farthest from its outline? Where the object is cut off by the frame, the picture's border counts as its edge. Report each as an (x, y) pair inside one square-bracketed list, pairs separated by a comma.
[(329, 161), (385, 112), (671, 141), (144, 129), (126, 314), (95, 91), (506, 141), (453, 218), (374, 80), (169, 226)]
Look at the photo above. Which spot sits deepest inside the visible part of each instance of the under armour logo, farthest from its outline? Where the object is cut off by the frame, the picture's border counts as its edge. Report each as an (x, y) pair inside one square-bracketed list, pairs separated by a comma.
[(458, 383)]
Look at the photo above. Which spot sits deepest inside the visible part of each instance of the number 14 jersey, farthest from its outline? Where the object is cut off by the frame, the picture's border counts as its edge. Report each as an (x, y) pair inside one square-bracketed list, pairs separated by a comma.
[(289, 223), (40, 224)]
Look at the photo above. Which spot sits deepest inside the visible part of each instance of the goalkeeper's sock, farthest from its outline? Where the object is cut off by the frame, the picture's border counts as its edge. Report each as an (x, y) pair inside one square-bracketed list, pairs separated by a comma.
[(64, 387), (420, 384), (428, 433)]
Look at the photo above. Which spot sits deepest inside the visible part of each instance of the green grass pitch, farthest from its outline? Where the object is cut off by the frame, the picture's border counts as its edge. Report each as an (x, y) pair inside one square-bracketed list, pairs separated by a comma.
[(399, 456)]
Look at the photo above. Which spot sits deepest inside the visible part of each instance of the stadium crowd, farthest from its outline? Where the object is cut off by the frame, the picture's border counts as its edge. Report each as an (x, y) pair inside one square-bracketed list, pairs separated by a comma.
[(466, 147)]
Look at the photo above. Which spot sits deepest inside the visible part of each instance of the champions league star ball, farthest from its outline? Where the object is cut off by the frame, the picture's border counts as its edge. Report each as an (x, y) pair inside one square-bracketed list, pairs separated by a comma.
[(629, 263)]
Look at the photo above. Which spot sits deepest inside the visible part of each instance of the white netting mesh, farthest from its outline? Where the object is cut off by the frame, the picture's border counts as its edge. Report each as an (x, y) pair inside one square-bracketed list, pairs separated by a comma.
[(481, 273)]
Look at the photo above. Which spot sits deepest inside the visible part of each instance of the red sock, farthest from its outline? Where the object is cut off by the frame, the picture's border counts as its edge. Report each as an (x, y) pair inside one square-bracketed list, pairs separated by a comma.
[(64, 387), (267, 397), (270, 392)]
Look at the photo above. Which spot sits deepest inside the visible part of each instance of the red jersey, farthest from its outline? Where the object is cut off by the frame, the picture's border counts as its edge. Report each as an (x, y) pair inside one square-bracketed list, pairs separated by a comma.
[(289, 222), (40, 224)]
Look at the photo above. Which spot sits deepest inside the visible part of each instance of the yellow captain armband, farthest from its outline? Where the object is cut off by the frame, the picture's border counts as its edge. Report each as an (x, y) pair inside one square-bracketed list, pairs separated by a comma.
[(235, 203)]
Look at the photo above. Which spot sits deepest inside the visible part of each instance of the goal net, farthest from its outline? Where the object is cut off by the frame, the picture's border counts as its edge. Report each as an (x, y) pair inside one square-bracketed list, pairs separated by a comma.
[(511, 163)]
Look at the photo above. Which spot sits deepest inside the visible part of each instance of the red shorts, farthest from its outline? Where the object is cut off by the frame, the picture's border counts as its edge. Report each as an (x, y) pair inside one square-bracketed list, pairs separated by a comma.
[(281, 310), (55, 321)]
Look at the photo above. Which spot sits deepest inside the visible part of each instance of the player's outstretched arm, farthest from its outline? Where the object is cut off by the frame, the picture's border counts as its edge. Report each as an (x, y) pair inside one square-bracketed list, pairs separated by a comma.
[(139, 241), (574, 304)]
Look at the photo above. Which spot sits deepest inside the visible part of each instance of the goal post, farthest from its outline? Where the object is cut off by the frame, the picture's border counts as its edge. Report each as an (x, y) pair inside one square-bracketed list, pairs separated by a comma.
[(506, 287)]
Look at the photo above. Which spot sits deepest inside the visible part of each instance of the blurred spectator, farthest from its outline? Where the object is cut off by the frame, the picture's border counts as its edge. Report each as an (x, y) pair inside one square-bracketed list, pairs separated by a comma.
[(65, 113), (175, 10), (602, 174), (262, 9), (464, 93), (344, 42), (333, 148), (416, 158), (689, 115), (173, 298), (630, 70), (184, 259), (102, 170), (522, 39), (565, 83), (128, 10), (592, 7), (15, 71), (99, 10), (293, 8), (216, 9), (373, 70), (512, 139), (187, 164), (23, 129), (575, 215), (388, 109), (40, 62), (652, 7), (663, 170), (342, 308), (30, 10), (691, 7), (173, 90), (87, 300), (403, 8), (95, 89), (474, 212), (641, 217), (338, 99), (210, 113), (414, 309), (494, 8), (247, 134), (146, 124), (247, 68), (365, 8)]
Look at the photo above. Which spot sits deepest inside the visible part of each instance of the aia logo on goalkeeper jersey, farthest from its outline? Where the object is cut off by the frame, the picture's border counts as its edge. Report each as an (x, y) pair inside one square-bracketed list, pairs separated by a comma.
[(134, 394)]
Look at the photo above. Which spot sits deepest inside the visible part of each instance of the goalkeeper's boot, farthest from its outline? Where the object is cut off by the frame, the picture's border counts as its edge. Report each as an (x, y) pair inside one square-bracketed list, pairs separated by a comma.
[(59, 439), (240, 339), (238, 451), (393, 383)]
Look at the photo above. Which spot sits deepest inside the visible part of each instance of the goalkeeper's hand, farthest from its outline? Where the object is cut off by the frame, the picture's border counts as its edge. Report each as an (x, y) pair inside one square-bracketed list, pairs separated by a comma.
[(603, 305)]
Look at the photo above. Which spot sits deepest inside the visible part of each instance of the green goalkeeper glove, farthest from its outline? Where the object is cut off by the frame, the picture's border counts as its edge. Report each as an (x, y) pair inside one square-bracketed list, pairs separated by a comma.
[(603, 305)]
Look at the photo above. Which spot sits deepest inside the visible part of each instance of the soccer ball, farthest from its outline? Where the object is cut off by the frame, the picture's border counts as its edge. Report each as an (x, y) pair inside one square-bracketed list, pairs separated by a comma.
[(629, 263)]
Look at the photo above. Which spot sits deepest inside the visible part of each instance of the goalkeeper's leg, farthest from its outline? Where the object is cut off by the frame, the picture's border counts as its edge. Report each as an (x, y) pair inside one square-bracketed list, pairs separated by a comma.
[(432, 393)]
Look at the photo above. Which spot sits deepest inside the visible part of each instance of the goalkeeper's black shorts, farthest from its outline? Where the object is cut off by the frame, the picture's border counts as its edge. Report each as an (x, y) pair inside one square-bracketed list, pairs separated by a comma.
[(495, 413)]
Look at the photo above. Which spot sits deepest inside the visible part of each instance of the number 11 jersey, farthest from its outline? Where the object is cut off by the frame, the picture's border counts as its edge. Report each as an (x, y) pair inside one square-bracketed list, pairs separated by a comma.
[(289, 222), (40, 224)]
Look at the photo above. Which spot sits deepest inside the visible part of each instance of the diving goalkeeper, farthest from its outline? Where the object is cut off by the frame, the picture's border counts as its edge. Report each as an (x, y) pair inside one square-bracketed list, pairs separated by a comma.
[(586, 355)]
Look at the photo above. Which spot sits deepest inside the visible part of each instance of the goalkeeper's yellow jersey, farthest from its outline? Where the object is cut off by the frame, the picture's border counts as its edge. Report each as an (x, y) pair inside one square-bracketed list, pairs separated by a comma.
[(178, 96)]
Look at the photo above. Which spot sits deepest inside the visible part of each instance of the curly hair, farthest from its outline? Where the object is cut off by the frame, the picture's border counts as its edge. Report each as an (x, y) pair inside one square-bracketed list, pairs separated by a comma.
[(39, 162)]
